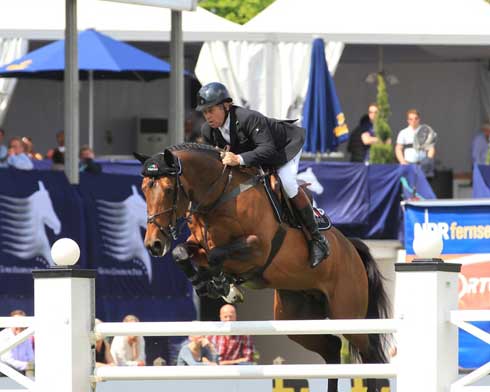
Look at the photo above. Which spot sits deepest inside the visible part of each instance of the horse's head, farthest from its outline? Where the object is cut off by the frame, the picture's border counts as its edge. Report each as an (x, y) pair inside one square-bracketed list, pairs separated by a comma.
[(165, 199), (45, 209)]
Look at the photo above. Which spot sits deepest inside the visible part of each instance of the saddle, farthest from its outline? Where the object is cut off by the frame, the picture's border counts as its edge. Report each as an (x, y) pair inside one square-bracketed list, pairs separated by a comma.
[(282, 207)]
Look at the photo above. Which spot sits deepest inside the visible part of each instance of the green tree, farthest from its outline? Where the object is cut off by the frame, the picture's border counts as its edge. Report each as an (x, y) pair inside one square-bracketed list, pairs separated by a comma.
[(382, 151), (238, 11)]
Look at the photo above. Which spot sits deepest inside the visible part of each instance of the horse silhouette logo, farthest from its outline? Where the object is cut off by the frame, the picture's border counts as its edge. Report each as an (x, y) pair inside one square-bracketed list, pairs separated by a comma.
[(24, 221), (120, 224)]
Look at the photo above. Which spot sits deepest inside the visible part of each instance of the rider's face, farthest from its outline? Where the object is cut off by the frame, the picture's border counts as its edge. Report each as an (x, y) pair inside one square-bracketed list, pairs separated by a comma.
[(215, 116)]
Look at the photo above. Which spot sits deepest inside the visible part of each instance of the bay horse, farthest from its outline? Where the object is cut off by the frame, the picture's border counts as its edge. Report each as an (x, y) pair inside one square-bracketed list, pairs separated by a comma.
[(231, 219)]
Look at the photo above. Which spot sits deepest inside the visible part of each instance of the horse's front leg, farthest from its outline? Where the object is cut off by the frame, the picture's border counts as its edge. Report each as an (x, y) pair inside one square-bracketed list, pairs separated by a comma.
[(185, 255), (242, 248)]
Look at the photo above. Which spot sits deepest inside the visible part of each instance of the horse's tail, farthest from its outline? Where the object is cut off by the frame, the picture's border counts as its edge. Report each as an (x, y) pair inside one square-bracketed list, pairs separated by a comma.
[(378, 304)]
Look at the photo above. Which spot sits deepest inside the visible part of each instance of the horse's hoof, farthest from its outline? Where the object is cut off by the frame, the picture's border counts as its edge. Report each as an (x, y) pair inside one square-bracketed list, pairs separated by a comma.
[(216, 289), (235, 296)]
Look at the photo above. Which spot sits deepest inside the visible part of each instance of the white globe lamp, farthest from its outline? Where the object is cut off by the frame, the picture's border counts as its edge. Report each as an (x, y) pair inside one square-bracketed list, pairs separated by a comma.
[(65, 252), (428, 244)]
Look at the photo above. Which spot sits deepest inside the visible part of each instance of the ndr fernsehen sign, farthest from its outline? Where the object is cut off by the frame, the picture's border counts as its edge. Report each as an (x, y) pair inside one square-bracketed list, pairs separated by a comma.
[(184, 5)]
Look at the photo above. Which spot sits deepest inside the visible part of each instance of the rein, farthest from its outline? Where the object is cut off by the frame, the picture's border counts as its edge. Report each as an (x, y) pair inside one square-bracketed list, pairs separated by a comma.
[(171, 231)]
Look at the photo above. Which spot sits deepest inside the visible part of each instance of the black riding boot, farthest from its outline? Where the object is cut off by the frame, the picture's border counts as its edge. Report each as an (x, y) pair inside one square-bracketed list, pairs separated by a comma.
[(318, 244)]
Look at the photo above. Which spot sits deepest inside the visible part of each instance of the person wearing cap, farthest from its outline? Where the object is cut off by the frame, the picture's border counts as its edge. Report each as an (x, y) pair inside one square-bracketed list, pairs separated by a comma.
[(480, 148), (256, 140)]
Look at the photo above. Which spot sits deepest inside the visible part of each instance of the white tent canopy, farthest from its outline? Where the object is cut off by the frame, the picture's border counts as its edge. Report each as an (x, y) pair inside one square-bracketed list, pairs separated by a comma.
[(418, 22), (45, 20)]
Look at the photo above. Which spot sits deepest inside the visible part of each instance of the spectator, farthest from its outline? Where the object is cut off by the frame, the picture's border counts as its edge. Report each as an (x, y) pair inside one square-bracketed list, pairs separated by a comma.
[(17, 156), (129, 350), (363, 136), (198, 350), (480, 148), (103, 355), (234, 349), (29, 148), (3, 150), (404, 149), (59, 150), (87, 163), (21, 356)]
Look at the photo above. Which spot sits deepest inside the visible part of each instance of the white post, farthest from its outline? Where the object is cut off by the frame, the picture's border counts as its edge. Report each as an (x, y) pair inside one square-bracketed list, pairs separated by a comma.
[(427, 343), (64, 309)]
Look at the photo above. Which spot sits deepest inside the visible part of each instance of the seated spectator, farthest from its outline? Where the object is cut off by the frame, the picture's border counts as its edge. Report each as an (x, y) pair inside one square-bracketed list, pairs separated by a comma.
[(17, 156), (87, 163), (198, 350), (60, 148), (103, 355), (234, 349), (480, 148), (21, 356), (405, 150), (3, 150), (29, 148), (129, 350)]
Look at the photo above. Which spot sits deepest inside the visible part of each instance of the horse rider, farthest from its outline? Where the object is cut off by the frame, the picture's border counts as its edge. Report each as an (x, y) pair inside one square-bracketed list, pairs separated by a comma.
[(256, 140)]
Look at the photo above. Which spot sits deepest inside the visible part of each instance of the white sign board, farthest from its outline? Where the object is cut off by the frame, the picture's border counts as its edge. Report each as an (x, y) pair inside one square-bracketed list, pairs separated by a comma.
[(182, 5)]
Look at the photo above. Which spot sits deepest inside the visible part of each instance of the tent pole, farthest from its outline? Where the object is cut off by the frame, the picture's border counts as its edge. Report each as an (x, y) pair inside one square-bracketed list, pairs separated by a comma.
[(91, 109), (176, 118), (71, 84)]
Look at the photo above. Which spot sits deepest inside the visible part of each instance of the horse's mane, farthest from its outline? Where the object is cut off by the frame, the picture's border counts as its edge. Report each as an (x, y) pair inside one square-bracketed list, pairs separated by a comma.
[(197, 147)]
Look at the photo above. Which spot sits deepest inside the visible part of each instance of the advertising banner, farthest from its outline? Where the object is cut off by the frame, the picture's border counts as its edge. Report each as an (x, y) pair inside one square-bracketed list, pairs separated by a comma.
[(465, 229)]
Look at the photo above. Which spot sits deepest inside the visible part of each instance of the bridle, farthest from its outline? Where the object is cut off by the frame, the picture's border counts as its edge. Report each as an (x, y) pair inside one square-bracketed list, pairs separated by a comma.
[(172, 231)]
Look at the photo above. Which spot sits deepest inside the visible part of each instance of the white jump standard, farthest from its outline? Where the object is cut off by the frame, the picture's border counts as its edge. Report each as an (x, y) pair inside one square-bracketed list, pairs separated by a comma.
[(427, 358)]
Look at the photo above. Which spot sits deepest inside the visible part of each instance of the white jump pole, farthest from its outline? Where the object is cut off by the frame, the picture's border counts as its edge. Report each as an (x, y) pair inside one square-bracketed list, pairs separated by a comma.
[(64, 308), (427, 343)]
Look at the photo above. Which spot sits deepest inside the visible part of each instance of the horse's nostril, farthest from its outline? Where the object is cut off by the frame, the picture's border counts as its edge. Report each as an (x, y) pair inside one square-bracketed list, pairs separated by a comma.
[(157, 248)]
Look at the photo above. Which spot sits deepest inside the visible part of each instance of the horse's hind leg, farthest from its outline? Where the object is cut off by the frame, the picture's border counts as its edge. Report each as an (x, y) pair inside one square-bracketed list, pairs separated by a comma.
[(292, 305)]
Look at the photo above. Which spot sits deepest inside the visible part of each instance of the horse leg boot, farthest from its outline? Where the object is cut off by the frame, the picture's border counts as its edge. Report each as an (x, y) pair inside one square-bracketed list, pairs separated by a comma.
[(182, 258), (318, 244), (218, 286)]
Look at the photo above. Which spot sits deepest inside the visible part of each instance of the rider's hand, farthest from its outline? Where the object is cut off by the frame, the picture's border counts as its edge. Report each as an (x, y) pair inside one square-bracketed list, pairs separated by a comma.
[(230, 159)]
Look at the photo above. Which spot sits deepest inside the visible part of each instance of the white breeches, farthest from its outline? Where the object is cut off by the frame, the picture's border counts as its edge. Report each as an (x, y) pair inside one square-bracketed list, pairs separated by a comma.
[(287, 174)]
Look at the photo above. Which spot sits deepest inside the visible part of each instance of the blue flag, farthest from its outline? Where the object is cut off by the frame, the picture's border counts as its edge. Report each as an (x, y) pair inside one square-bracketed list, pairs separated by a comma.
[(322, 115)]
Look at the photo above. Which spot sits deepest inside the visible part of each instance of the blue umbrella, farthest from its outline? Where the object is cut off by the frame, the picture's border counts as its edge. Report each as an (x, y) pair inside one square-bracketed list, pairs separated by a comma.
[(322, 115), (99, 57)]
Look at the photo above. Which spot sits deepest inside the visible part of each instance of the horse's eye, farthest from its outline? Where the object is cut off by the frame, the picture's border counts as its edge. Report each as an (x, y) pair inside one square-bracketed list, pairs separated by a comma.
[(168, 191)]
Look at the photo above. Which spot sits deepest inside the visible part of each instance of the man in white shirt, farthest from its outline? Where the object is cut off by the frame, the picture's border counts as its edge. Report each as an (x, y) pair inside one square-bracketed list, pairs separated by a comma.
[(21, 356), (404, 149)]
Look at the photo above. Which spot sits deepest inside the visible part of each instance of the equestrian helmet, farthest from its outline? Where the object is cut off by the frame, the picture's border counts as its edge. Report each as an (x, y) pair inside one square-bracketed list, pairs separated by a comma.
[(212, 94)]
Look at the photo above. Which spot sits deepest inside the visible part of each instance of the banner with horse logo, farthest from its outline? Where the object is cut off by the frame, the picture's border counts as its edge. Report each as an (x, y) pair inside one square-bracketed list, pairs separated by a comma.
[(465, 230), (129, 280), (36, 209)]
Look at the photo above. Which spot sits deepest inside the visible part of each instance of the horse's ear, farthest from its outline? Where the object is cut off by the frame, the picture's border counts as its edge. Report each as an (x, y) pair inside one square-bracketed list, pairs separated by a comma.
[(169, 158), (140, 157)]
